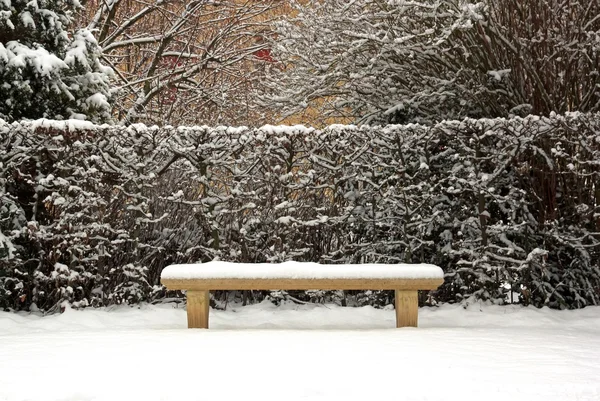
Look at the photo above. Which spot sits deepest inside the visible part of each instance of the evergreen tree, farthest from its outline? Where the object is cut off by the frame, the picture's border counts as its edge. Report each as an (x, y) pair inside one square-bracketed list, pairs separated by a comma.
[(45, 70)]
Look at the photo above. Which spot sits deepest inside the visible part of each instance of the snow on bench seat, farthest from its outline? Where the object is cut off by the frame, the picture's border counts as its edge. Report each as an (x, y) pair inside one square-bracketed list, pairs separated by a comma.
[(299, 270), (199, 279)]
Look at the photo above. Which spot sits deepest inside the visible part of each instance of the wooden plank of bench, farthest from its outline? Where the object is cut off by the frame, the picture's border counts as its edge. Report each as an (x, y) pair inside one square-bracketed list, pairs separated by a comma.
[(301, 284)]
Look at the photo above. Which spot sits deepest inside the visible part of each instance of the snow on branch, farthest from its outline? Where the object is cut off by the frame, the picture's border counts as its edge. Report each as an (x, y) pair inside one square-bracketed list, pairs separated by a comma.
[(500, 204)]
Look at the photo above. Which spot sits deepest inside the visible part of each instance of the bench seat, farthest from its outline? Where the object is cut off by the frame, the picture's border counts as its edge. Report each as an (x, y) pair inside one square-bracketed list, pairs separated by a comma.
[(199, 279)]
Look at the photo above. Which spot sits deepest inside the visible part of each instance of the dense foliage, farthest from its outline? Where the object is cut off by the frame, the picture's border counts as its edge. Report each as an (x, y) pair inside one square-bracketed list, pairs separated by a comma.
[(509, 208), (424, 61), (47, 70), (180, 62)]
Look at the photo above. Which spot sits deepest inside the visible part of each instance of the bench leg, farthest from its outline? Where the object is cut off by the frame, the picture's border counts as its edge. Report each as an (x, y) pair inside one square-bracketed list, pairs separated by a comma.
[(407, 308), (197, 309)]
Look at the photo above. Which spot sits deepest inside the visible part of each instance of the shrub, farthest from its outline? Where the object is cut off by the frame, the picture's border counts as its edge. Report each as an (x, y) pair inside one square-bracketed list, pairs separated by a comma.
[(91, 215)]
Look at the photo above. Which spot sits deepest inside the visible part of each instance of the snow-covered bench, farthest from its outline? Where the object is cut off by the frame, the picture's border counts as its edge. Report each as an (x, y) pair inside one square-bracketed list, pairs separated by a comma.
[(199, 279)]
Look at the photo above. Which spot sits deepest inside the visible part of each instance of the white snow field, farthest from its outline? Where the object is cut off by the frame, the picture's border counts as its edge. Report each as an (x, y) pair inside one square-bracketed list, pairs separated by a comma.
[(307, 352)]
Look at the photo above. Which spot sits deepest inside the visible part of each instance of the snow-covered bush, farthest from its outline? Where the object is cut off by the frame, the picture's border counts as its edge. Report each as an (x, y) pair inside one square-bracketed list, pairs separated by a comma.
[(425, 61), (45, 70), (91, 214)]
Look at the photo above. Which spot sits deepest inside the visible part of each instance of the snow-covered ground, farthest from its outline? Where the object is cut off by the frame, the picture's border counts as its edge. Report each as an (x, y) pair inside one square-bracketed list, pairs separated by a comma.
[(293, 352)]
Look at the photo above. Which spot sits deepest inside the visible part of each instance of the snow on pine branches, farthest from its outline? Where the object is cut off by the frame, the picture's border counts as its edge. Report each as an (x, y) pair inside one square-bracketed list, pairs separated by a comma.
[(45, 69), (508, 207)]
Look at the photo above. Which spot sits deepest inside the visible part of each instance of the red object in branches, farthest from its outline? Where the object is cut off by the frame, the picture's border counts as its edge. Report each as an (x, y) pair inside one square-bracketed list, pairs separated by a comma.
[(172, 61), (169, 96), (264, 55)]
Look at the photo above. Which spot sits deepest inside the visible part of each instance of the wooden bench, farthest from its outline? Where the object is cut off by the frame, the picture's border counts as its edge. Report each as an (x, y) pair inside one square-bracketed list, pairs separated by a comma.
[(199, 279)]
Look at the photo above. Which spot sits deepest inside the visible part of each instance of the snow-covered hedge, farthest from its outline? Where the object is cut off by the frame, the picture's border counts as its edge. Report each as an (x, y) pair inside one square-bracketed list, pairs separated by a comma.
[(509, 208)]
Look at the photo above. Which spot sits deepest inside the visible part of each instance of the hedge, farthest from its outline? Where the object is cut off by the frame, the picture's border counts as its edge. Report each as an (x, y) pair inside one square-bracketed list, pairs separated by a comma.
[(509, 208)]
